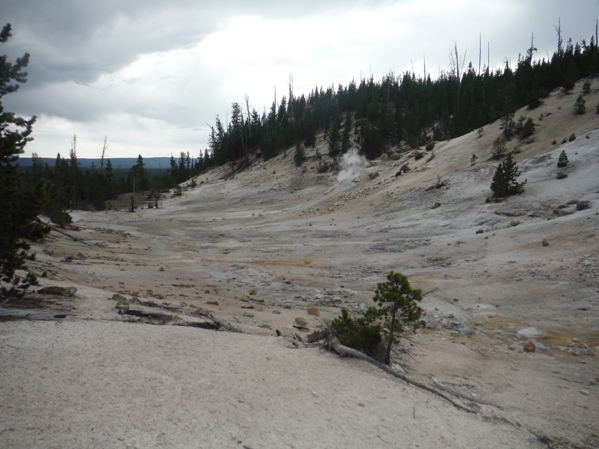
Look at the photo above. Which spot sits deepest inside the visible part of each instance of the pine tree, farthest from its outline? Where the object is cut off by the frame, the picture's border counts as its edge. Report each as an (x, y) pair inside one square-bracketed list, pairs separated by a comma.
[(505, 179), (397, 305), (563, 159), (19, 206)]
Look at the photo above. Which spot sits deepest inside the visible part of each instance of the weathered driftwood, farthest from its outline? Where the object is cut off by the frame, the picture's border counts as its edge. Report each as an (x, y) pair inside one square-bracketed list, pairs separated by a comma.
[(461, 395), (210, 316), (344, 350)]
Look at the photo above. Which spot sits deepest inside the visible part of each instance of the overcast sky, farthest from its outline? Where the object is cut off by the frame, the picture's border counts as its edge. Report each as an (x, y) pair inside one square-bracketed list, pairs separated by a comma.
[(152, 74)]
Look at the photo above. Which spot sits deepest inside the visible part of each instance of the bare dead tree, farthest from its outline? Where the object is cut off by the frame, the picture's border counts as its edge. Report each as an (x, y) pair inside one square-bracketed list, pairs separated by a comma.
[(531, 51), (290, 102), (480, 43), (104, 148), (457, 66), (558, 30)]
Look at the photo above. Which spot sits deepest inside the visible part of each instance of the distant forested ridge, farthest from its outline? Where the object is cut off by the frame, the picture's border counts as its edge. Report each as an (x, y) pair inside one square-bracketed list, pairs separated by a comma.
[(372, 115), (402, 110)]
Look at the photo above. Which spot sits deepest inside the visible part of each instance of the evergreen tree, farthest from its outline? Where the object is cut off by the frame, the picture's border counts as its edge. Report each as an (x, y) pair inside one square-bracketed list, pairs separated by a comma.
[(19, 206), (397, 305), (505, 179)]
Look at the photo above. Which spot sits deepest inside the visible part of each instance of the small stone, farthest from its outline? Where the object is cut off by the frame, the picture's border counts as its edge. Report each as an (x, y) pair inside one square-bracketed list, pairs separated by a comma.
[(276, 312), (451, 316), (313, 311), (252, 291), (117, 297), (455, 299), (287, 306), (207, 292), (302, 322), (585, 392), (122, 305), (545, 242), (161, 269), (530, 347), (248, 314), (515, 222), (212, 303)]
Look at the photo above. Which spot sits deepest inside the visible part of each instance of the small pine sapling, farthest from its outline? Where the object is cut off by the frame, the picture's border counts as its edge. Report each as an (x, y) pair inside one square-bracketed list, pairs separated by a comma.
[(473, 159), (579, 106), (563, 159), (505, 179)]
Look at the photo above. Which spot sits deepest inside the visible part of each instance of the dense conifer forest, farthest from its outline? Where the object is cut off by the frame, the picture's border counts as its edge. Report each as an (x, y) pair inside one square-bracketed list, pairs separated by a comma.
[(405, 109)]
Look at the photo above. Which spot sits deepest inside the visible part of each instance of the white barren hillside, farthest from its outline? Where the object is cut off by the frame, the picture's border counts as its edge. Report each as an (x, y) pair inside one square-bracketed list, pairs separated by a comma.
[(260, 249)]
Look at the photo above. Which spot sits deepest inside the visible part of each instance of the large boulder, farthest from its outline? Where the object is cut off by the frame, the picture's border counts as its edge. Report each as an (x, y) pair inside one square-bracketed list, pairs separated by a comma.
[(58, 291)]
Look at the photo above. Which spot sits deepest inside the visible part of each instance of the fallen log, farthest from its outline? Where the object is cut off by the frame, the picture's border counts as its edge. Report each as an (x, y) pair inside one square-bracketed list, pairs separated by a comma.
[(461, 395), (344, 350), (210, 316)]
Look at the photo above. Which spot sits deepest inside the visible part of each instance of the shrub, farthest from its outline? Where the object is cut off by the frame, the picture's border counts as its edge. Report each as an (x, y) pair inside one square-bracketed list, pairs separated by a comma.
[(572, 137), (430, 146), (473, 159), (586, 88), (561, 175), (418, 155), (300, 154), (554, 142), (480, 132), (480, 231), (498, 149), (361, 334), (436, 205), (525, 127), (562, 160), (597, 109), (505, 179), (579, 106)]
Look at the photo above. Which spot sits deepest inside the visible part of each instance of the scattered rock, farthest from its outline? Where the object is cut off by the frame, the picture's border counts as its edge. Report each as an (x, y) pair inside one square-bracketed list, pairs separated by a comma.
[(117, 297), (60, 316), (276, 312), (287, 306), (122, 305), (301, 321), (516, 212), (515, 222), (252, 291), (58, 291), (530, 347), (585, 392), (313, 311), (373, 175), (545, 242), (248, 314), (278, 332), (212, 303)]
